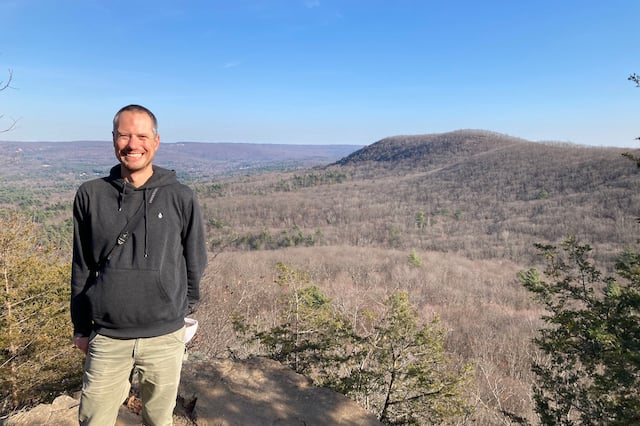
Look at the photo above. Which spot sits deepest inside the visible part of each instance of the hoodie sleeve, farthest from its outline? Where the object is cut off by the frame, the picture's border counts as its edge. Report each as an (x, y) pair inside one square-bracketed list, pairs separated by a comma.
[(80, 270), (195, 251)]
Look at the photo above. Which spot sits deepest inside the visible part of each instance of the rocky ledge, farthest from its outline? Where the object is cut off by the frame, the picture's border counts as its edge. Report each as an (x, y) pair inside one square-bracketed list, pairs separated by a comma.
[(224, 392)]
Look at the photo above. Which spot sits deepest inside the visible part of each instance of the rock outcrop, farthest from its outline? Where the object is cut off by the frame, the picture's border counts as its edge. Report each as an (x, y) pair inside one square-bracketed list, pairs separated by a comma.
[(225, 392)]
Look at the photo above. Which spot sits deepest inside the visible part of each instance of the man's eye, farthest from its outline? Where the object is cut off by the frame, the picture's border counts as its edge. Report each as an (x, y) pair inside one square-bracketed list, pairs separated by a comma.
[(124, 136)]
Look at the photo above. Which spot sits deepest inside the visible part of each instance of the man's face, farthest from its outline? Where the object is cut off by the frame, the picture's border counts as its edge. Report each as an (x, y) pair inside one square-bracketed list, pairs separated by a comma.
[(134, 141)]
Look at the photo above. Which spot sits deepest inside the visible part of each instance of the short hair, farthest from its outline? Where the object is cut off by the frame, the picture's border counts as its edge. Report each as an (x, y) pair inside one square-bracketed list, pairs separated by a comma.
[(136, 108)]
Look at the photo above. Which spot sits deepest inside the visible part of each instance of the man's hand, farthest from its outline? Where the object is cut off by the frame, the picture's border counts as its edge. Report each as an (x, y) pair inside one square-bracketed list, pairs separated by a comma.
[(82, 343)]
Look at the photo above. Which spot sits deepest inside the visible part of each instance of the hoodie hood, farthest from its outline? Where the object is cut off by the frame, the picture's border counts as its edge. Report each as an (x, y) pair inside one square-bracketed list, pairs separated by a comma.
[(160, 177)]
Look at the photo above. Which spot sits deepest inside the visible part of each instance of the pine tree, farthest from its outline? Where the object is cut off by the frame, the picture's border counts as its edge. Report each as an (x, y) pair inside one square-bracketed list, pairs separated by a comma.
[(403, 372), (592, 342), (400, 370), (36, 356), (310, 334)]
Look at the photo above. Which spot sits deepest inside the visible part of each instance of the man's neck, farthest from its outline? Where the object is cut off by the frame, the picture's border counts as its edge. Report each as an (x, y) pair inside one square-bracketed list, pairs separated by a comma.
[(138, 178)]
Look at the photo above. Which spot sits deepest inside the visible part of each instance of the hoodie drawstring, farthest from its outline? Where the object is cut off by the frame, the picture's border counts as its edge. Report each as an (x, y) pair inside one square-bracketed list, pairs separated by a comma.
[(123, 192), (121, 197), (153, 196), (144, 200)]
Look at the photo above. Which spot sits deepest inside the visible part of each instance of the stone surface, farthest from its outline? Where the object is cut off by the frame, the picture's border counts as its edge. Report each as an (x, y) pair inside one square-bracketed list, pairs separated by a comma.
[(263, 392), (224, 392)]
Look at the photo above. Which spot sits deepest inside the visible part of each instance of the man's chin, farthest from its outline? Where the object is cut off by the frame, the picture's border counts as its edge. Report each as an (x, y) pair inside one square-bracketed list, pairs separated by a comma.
[(134, 161), (133, 166)]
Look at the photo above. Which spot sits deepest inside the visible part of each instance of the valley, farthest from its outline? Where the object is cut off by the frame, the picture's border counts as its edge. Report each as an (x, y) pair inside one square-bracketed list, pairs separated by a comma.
[(469, 205)]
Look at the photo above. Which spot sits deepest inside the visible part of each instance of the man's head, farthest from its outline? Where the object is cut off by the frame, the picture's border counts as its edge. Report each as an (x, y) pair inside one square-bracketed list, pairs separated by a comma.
[(135, 141), (135, 108)]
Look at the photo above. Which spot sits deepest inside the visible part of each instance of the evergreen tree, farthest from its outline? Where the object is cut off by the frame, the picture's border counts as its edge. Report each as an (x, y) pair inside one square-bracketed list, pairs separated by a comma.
[(310, 332), (400, 371), (37, 360), (592, 342)]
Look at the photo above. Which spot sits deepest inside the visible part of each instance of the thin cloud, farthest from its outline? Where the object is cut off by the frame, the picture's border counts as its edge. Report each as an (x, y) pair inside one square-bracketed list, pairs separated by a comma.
[(231, 64)]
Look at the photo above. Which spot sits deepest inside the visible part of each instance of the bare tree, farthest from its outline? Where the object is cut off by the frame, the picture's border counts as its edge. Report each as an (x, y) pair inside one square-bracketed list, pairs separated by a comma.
[(3, 86)]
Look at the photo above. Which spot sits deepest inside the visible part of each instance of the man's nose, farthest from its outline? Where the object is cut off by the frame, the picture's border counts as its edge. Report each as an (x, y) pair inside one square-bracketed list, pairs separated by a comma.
[(133, 142)]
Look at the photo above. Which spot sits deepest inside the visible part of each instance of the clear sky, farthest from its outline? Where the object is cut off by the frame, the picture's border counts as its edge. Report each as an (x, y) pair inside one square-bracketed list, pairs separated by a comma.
[(323, 71)]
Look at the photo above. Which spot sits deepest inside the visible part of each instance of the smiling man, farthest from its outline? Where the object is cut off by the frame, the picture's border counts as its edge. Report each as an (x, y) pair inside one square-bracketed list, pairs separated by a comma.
[(138, 255), (135, 140)]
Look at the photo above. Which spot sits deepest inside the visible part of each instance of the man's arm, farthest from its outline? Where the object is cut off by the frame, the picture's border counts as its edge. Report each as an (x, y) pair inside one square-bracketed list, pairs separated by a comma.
[(195, 252), (80, 273)]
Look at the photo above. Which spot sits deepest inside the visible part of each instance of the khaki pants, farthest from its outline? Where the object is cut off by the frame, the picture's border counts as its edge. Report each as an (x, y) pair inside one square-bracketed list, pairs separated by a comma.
[(108, 367)]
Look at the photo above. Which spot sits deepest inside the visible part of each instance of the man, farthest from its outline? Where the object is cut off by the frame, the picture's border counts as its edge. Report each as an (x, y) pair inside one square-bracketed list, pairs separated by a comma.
[(138, 255)]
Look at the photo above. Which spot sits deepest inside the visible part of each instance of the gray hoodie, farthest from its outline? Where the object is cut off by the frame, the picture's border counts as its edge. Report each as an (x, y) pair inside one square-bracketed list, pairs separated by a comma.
[(145, 286)]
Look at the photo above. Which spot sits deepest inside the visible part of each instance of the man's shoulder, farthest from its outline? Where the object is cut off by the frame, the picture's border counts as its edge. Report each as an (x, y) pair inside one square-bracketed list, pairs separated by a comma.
[(180, 189), (99, 182), (93, 184)]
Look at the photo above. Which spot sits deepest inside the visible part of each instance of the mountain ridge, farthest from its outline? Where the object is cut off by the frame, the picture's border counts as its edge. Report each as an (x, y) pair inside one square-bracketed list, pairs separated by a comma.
[(432, 147), (213, 159)]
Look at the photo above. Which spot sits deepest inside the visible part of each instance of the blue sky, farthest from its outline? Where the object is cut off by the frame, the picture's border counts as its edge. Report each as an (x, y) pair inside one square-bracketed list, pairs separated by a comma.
[(322, 71)]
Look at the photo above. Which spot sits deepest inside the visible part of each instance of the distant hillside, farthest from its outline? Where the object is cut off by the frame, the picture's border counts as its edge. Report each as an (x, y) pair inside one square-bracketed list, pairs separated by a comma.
[(479, 160), (190, 159), (431, 148), (477, 193)]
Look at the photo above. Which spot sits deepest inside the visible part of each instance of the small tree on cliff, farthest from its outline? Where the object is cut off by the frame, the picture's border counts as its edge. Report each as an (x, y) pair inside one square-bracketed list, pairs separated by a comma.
[(310, 332), (36, 356), (592, 373), (399, 370)]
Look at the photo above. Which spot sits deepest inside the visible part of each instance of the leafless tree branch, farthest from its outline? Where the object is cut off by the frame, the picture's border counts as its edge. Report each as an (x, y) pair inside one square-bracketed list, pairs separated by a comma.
[(4, 86), (11, 126)]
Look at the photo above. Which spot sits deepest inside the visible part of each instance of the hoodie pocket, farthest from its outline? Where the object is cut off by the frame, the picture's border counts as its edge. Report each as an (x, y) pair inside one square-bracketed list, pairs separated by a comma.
[(128, 298)]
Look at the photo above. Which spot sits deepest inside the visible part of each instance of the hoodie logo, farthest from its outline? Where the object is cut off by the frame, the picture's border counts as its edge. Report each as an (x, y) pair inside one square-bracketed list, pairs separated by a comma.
[(153, 195), (159, 215)]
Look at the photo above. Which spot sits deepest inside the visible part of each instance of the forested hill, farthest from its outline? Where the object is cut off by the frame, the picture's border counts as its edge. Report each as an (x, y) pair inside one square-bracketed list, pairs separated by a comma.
[(490, 195), (474, 192), (431, 148), (515, 168)]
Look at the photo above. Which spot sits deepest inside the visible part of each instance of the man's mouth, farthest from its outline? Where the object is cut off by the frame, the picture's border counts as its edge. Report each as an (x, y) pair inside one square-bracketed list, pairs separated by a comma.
[(133, 154)]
